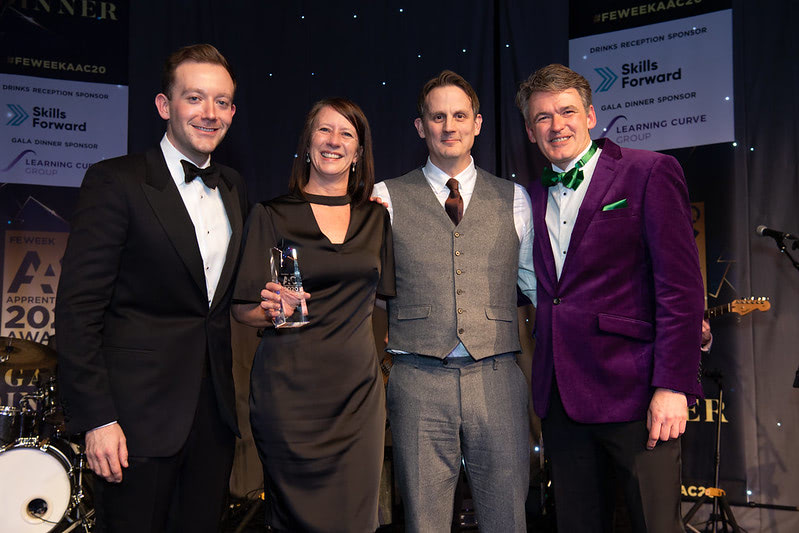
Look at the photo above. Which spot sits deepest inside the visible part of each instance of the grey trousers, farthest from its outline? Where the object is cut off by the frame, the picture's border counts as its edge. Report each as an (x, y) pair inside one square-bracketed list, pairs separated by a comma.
[(443, 410)]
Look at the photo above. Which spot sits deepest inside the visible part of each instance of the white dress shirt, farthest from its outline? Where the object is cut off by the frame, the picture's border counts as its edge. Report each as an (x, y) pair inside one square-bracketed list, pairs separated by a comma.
[(522, 220), (207, 212), (563, 205)]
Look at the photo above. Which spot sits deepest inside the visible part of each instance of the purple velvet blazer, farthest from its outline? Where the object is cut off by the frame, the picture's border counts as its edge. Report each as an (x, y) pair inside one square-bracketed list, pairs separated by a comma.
[(625, 316)]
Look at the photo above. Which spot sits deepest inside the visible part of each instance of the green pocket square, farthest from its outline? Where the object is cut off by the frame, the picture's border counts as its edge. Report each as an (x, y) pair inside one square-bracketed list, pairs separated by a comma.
[(616, 205)]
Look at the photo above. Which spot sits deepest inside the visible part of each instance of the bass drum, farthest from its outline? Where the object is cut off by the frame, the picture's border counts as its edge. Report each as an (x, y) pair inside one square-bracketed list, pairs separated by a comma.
[(36, 485), (9, 424)]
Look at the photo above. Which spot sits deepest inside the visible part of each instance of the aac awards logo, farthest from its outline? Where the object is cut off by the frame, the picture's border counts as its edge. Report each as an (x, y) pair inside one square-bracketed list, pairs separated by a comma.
[(16, 116)]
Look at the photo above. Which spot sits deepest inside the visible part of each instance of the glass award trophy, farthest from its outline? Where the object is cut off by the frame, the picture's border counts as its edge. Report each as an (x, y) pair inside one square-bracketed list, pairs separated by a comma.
[(285, 270)]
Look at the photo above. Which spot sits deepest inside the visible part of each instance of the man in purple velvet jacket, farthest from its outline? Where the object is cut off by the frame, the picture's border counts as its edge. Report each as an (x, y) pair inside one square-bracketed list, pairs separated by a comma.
[(619, 314)]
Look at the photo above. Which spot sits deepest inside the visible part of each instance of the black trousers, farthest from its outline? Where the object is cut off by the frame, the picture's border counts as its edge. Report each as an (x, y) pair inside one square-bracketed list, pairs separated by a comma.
[(182, 493), (588, 460)]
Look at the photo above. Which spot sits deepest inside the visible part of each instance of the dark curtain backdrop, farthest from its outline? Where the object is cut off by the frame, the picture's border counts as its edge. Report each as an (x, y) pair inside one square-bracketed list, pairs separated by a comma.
[(379, 54), (770, 189), (289, 54)]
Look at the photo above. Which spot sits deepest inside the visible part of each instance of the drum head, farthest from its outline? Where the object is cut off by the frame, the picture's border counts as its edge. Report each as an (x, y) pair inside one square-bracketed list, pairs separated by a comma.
[(35, 488)]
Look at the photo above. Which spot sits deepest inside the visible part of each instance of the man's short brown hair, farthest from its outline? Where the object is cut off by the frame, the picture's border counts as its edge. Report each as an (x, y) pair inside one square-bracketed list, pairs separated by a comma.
[(552, 78), (198, 53), (445, 78)]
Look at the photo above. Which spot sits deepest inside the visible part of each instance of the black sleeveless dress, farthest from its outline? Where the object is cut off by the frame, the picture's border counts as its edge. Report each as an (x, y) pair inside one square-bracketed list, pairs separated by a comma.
[(317, 402)]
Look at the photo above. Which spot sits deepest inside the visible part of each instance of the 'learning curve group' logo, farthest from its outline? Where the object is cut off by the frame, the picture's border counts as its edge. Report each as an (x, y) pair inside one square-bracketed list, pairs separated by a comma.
[(17, 115), (17, 159), (608, 79)]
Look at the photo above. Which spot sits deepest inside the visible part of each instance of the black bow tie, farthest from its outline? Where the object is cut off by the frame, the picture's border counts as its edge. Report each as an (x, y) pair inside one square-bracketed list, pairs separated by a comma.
[(209, 175)]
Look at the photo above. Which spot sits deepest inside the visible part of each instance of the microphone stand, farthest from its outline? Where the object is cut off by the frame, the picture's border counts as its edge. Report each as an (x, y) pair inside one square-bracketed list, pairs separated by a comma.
[(784, 249), (721, 508)]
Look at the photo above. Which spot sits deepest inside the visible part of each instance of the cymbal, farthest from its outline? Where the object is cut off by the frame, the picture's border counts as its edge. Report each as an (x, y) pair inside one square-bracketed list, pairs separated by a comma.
[(21, 353)]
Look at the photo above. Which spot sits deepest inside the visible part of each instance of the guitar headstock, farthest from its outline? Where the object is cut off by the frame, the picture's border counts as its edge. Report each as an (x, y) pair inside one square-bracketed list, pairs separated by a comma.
[(747, 305)]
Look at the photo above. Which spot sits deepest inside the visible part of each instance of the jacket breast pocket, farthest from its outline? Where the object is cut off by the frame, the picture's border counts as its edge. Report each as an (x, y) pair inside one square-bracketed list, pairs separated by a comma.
[(624, 212)]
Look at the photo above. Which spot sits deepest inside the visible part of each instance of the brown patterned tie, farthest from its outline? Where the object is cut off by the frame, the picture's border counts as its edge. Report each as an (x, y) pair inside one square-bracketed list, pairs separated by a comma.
[(454, 202)]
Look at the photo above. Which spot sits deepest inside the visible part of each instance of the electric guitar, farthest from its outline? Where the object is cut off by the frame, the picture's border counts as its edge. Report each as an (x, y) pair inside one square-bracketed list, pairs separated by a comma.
[(741, 307)]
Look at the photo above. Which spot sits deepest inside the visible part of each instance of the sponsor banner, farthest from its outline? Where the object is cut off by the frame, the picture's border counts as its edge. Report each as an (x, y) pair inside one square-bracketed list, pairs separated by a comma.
[(698, 446), (52, 130), (84, 40), (17, 381), (31, 248), (31, 268), (662, 86), (588, 17)]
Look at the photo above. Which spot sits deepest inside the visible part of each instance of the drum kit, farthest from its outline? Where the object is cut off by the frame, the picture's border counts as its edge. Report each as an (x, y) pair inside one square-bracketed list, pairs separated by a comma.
[(44, 480)]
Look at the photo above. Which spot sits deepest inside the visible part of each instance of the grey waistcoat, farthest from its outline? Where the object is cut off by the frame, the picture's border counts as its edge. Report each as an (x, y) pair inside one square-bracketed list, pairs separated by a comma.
[(454, 284)]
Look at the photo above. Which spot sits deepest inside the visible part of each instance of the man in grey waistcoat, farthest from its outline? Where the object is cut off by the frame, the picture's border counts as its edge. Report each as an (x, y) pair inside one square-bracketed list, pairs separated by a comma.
[(462, 240)]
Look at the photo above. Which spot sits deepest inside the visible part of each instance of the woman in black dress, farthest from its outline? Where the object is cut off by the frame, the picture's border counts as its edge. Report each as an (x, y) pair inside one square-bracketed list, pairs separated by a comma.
[(316, 395)]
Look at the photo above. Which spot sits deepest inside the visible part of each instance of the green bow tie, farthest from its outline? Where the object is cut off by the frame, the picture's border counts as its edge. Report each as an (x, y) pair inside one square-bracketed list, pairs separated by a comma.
[(574, 177)]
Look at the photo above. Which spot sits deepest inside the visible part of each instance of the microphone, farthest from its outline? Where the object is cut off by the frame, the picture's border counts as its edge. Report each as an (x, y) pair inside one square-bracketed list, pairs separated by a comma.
[(763, 231)]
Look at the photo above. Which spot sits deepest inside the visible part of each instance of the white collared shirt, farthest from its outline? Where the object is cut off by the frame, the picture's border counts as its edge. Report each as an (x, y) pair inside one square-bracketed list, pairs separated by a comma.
[(208, 215), (563, 205), (522, 220)]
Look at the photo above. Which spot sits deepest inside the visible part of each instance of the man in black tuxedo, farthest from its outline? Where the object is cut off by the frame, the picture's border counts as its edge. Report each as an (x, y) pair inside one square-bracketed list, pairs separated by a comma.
[(143, 312)]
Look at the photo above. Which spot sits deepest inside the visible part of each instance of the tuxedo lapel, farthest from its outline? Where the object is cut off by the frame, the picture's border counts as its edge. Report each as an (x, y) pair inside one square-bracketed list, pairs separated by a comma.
[(539, 197), (604, 174), (235, 217), (168, 206)]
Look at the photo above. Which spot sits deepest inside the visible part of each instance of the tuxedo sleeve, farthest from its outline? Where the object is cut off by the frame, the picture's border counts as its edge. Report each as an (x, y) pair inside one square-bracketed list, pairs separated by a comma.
[(678, 286), (88, 274), (259, 239)]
